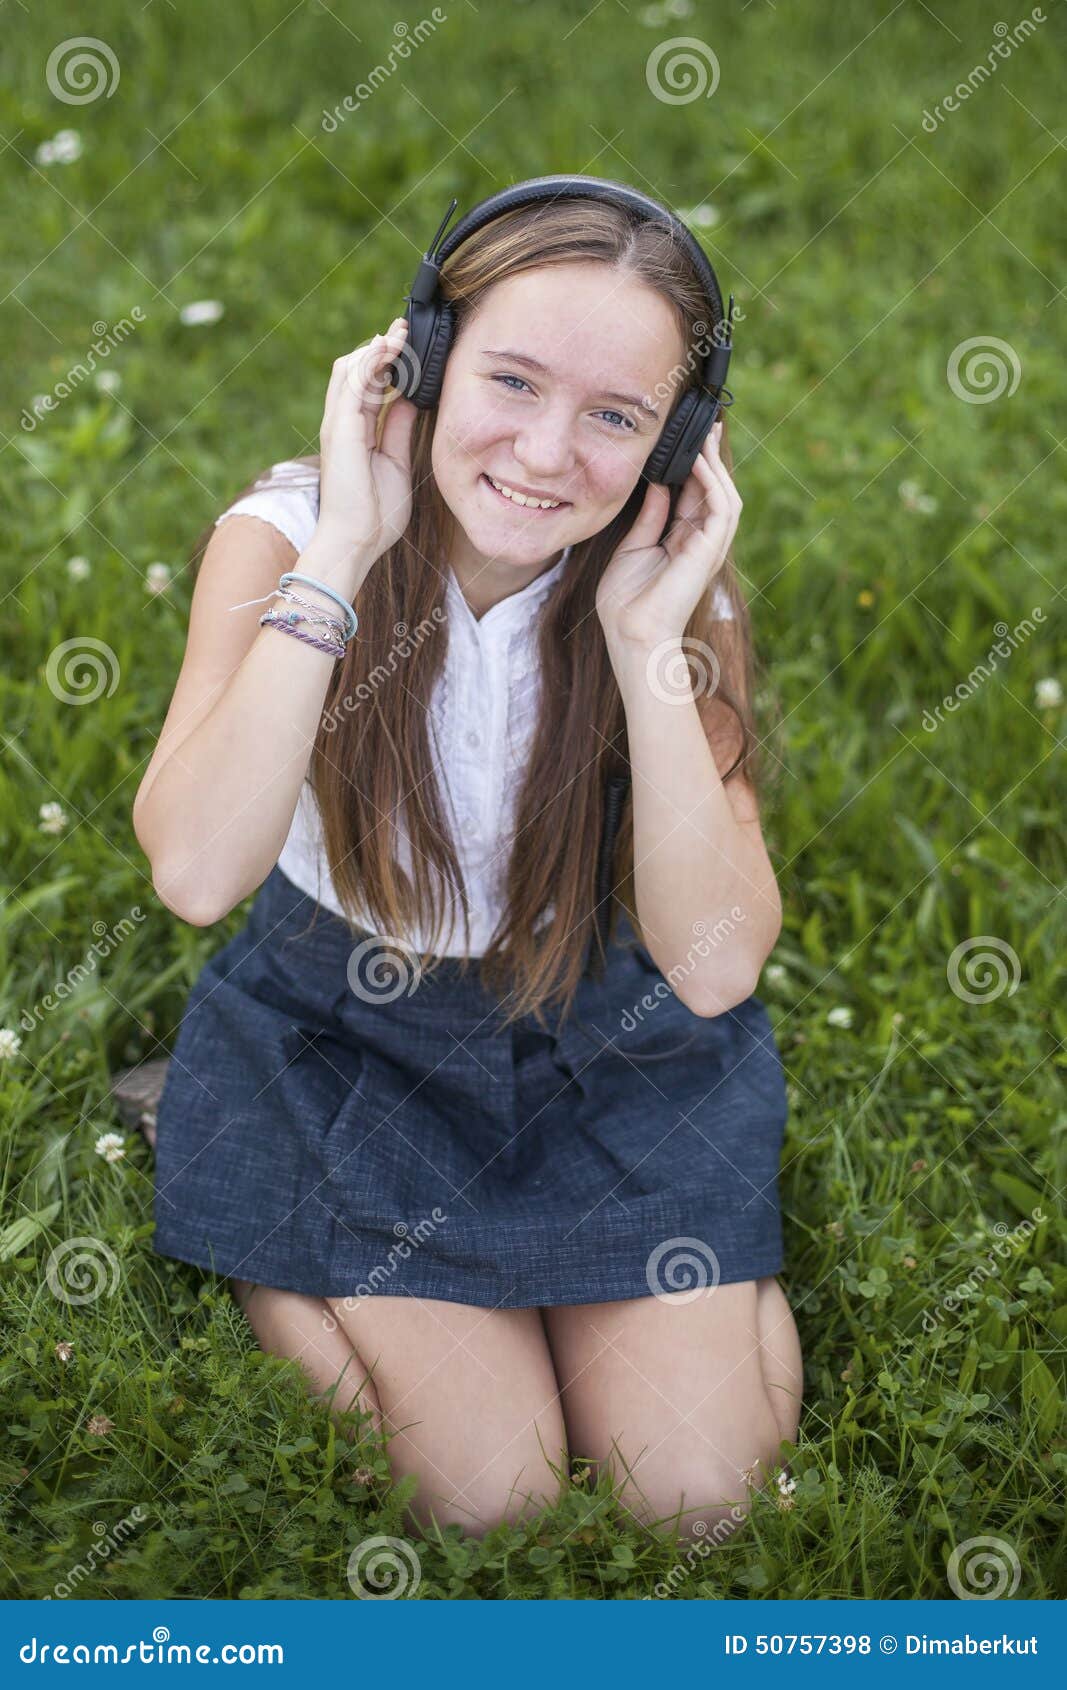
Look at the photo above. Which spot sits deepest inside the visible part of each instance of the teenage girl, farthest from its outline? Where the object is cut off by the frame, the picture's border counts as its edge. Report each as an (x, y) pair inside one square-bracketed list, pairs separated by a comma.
[(501, 1179)]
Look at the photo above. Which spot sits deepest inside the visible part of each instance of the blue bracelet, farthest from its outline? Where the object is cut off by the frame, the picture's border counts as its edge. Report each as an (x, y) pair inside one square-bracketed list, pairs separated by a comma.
[(351, 620)]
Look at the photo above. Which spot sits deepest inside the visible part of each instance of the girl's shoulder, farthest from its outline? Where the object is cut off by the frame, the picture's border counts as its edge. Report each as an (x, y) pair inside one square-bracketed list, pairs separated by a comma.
[(287, 496)]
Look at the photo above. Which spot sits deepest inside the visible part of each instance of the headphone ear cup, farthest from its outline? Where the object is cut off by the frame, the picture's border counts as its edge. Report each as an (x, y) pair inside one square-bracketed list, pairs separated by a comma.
[(662, 464), (684, 434), (423, 361)]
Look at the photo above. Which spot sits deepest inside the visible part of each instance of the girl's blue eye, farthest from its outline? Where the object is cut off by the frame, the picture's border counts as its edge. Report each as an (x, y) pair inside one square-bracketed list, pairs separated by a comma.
[(627, 420)]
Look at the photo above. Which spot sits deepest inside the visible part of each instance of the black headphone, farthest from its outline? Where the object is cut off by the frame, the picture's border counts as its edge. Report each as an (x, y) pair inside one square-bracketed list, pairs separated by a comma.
[(419, 371)]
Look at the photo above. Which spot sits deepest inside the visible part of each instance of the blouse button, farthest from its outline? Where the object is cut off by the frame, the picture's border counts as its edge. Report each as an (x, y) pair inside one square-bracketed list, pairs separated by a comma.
[(474, 737)]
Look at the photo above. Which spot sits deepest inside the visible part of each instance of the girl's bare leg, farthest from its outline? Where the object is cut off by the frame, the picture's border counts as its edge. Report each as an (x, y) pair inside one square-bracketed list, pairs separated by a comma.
[(471, 1403), (288, 1324)]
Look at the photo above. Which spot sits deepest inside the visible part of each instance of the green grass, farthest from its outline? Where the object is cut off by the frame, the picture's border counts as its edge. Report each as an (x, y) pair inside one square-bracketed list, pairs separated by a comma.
[(862, 250)]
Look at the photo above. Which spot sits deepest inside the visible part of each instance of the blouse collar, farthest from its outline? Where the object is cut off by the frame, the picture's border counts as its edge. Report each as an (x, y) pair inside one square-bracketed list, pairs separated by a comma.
[(506, 613)]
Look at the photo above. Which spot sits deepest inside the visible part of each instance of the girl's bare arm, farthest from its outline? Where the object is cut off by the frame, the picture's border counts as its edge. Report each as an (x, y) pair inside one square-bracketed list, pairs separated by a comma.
[(218, 796)]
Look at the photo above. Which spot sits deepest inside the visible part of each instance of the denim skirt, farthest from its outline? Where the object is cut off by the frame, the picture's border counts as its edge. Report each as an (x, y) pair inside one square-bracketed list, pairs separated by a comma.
[(335, 1124)]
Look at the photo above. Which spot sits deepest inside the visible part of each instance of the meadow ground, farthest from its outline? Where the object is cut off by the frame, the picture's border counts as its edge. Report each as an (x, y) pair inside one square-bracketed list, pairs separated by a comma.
[(898, 441)]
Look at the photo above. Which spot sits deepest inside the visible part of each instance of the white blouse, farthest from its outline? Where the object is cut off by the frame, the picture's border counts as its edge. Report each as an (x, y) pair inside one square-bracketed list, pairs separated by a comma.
[(483, 715)]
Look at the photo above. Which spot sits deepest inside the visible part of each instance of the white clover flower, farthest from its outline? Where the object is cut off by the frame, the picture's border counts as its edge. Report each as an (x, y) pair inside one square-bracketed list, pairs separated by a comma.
[(78, 568), (157, 577), (9, 1043), (108, 381), (915, 499), (111, 1146), (63, 148), (775, 973), (53, 818), (786, 1483), (840, 1016), (1048, 693), (700, 216), (202, 311), (68, 146)]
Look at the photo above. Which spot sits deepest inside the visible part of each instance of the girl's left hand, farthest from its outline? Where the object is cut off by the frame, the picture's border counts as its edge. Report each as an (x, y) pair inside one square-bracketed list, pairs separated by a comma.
[(648, 591)]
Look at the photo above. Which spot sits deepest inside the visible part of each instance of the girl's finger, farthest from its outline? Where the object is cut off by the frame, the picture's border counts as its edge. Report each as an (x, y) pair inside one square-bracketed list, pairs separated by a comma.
[(711, 480), (715, 473)]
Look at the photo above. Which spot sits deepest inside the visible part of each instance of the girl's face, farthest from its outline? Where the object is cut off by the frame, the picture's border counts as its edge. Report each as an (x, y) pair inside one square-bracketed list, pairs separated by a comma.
[(558, 385)]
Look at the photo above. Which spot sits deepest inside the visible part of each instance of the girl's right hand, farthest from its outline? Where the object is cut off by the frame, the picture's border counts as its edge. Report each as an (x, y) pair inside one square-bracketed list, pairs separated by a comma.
[(365, 490)]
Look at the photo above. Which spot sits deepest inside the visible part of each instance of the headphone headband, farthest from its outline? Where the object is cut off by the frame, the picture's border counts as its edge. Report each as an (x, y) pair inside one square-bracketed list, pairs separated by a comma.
[(419, 371), (548, 189)]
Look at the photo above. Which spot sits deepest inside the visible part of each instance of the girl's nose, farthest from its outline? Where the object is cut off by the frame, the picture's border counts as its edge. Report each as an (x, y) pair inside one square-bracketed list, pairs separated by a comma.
[(545, 450)]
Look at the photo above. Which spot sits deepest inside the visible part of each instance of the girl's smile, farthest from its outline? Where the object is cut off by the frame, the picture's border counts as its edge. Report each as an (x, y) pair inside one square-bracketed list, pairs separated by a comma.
[(528, 507)]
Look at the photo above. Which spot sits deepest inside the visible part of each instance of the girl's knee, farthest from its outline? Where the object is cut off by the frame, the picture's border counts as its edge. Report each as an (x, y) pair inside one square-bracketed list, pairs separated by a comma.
[(477, 1511), (702, 1491)]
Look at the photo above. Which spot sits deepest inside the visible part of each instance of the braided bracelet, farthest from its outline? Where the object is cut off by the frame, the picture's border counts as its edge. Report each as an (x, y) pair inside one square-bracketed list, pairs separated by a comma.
[(351, 619), (283, 590), (331, 626), (309, 604), (309, 639)]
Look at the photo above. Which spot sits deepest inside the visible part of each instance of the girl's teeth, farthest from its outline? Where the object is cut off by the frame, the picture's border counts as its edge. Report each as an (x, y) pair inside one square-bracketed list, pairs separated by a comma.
[(521, 499)]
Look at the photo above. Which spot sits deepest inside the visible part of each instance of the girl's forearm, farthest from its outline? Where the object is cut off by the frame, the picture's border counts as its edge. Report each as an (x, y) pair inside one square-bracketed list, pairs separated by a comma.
[(705, 891), (219, 809)]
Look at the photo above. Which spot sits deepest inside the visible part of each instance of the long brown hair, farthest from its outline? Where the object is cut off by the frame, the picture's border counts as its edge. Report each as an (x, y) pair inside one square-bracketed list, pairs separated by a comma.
[(372, 749)]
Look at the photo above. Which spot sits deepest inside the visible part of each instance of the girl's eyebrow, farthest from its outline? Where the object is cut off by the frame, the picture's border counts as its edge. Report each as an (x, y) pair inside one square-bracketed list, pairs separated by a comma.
[(543, 369)]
